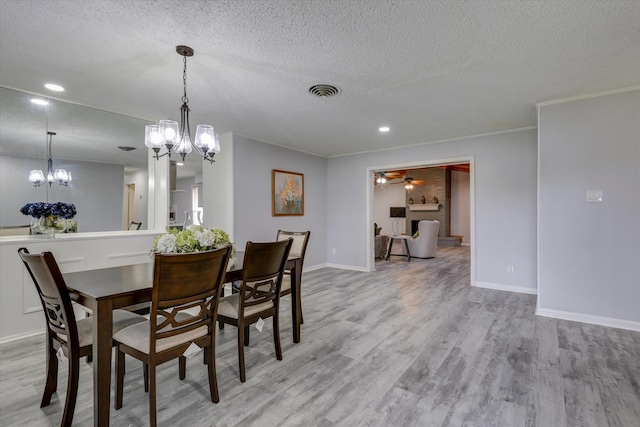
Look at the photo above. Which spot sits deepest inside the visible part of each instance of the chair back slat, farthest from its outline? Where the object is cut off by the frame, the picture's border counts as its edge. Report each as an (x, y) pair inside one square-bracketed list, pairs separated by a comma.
[(186, 290), (53, 293), (300, 241), (260, 291), (262, 271)]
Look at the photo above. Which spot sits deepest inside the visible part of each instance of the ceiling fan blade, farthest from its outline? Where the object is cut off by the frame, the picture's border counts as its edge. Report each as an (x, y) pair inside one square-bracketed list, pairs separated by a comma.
[(393, 175), (418, 182)]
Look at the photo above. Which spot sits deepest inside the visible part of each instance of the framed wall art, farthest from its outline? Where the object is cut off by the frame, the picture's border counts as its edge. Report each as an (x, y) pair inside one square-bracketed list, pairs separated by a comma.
[(287, 193)]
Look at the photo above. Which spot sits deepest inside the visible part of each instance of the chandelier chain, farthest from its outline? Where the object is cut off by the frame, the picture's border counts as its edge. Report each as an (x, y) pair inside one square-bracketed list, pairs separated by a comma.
[(50, 154), (184, 81), (176, 137)]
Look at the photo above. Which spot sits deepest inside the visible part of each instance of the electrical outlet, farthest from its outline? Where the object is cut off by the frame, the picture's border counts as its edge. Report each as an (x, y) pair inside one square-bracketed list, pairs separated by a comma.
[(594, 196), (333, 251), (510, 269)]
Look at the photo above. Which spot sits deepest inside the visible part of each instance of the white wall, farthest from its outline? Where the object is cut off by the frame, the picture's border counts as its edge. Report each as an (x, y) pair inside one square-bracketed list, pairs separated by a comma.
[(385, 196), (96, 191), (252, 166), (218, 188), (460, 199), (589, 253), (505, 204)]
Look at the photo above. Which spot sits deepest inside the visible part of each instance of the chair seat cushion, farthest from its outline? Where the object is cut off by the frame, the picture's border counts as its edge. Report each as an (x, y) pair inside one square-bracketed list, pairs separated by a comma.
[(138, 335), (228, 307), (121, 320)]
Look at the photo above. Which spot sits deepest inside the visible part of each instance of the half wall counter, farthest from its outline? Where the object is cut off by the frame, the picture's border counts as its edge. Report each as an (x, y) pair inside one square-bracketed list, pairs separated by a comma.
[(20, 307)]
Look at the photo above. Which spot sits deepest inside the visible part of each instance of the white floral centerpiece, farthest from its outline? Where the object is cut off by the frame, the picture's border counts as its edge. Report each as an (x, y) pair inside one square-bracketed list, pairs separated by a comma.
[(192, 239)]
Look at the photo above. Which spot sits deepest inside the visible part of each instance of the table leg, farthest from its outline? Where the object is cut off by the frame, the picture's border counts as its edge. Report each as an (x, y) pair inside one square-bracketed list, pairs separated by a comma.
[(102, 339), (390, 245), (406, 246)]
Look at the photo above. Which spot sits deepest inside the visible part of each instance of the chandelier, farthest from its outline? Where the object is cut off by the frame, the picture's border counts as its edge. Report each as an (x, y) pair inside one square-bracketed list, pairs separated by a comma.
[(60, 175), (176, 138)]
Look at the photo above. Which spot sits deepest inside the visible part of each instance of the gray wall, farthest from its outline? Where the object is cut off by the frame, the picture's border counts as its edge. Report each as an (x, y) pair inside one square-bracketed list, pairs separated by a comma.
[(460, 208), (96, 190), (590, 252), (253, 162), (505, 203)]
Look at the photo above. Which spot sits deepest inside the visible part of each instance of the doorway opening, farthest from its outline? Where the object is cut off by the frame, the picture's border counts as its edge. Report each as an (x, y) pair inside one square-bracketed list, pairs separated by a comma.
[(131, 204), (446, 193)]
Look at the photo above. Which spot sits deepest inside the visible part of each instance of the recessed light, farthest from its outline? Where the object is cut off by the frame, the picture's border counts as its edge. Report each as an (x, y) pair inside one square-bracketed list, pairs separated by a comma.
[(179, 164), (54, 87), (384, 129), (39, 101)]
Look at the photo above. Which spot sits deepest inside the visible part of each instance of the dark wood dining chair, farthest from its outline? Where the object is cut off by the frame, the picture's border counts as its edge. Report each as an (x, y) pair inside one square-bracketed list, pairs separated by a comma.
[(259, 294), (298, 249), (64, 333), (184, 302)]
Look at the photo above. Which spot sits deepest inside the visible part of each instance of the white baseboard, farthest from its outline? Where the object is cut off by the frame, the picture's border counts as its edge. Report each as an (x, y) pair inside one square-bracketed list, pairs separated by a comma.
[(315, 267), (347, 267), (465, 244), (21, 336), (589, 318), (328, 265), (508, 288)]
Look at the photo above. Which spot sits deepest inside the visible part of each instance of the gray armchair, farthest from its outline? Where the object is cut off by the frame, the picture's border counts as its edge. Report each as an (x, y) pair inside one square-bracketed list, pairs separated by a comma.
[(424, 246)]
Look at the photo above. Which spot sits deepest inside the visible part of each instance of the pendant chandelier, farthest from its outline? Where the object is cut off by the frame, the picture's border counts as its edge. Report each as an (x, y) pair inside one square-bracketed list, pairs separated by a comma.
[(60, 175), (176, 138)]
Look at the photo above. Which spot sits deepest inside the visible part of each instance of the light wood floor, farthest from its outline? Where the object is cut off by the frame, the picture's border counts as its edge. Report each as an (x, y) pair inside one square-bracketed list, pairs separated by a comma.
[(411, 344)]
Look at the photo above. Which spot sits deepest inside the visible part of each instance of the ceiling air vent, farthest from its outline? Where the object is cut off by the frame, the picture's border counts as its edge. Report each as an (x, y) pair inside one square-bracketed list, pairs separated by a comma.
[(324, 91)]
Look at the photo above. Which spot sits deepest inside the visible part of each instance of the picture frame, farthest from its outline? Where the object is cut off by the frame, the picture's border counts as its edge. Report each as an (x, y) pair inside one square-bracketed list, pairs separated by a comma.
[(287, 193)]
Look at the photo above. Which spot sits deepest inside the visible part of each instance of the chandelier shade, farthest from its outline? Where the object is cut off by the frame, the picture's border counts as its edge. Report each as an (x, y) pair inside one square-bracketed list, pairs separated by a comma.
[(36, 176), (176, 137)]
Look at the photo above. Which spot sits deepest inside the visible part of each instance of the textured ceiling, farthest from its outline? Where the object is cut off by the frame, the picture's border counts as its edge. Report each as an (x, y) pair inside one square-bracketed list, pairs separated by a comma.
[(431, 70)]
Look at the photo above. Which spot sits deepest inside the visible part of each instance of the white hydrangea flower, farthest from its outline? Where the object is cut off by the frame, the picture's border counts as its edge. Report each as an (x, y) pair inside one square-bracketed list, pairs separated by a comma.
[(205, 237), (166, 243)]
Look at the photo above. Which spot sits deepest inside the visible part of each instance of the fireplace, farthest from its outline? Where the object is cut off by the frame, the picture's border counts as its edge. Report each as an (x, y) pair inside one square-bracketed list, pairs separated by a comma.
[(414, 226)]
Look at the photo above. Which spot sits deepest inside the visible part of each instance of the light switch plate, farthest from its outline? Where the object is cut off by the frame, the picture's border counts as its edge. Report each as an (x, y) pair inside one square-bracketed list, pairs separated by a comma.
[(594, 196)]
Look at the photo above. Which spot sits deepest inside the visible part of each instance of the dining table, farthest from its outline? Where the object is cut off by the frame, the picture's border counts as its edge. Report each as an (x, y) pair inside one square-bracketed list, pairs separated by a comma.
[(104, 290)]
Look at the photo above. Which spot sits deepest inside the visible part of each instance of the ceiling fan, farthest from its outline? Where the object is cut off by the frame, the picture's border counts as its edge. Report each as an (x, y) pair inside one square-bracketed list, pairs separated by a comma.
[(409, 182), (385, 177)]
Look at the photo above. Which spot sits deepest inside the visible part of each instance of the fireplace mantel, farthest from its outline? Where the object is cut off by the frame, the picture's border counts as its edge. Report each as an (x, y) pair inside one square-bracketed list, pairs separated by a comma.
[(424, 207)]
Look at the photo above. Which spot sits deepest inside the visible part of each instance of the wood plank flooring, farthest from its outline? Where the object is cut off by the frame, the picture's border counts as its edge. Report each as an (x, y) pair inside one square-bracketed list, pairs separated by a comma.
[(411, 344)]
